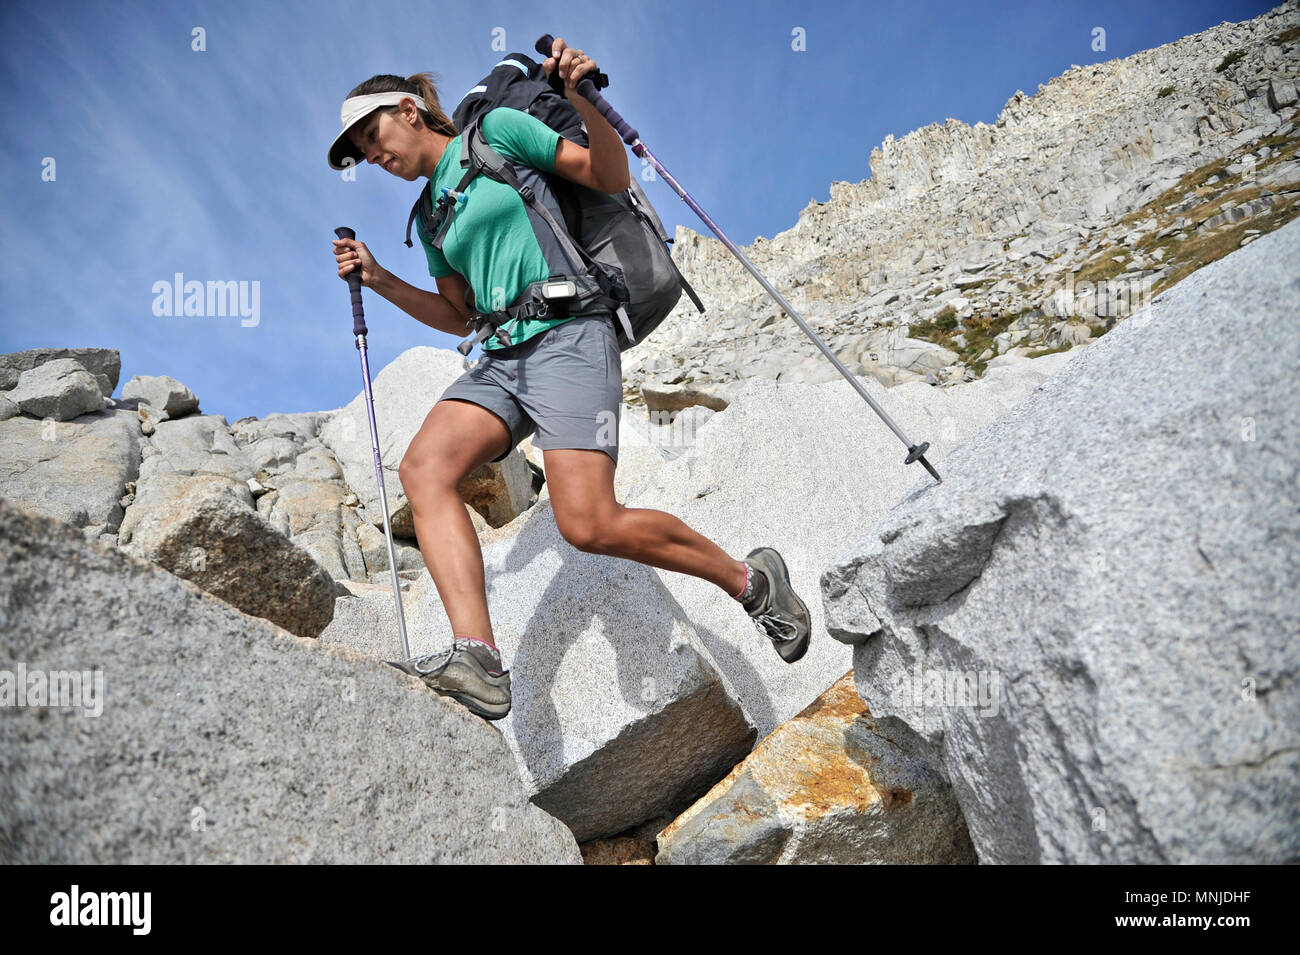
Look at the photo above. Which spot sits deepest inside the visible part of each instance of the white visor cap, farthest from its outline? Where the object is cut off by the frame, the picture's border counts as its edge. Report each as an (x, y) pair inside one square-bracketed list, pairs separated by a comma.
[(355, 109)]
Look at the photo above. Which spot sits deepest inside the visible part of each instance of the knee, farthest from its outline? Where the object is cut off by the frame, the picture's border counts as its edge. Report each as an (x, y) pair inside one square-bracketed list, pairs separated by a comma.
[(417, 472), (591, 533), (409, 470)]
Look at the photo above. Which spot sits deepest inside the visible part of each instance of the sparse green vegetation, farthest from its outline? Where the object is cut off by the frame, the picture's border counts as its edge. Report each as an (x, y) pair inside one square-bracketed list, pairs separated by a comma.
[(936, 329), (979, 330), (1278, 141), (1164, 91), (1193, 198), (1186, 252), (1228, 60), (1196, 179), (1148, 244), (1199, 251), (1228, 197), (1040, 352), (1194, 183), (1105, 266)]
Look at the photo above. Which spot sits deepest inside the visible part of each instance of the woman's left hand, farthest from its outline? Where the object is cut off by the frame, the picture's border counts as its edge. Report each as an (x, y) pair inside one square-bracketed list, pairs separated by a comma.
[(572, 64)]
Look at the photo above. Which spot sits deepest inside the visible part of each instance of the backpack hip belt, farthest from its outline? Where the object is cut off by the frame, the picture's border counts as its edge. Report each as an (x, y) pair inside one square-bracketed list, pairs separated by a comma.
[(577, 296)]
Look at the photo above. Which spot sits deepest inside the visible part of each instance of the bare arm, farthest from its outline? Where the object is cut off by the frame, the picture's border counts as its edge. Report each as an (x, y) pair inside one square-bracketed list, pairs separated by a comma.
[(602, 166), (445, 312)]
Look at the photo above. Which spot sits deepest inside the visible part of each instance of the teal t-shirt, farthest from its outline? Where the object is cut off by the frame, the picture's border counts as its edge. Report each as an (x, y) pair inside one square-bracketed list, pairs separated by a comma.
[(491, 241)]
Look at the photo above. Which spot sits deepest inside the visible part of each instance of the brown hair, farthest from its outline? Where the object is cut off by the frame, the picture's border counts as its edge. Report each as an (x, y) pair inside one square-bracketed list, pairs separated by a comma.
[(422, 85)]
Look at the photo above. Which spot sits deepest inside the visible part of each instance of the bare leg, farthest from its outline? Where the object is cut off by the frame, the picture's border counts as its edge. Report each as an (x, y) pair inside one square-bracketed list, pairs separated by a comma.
[(456, 437), (582, 494)]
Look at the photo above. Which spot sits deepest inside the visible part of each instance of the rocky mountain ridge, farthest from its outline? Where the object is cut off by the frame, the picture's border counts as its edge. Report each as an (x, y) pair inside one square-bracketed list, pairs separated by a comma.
[(1081, 202)]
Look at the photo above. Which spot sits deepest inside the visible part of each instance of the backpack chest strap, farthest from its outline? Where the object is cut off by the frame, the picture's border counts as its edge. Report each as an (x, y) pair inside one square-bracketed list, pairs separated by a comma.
[(437, 220)]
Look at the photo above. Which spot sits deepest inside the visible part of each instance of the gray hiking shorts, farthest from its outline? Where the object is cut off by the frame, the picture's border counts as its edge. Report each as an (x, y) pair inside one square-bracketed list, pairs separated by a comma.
[(566, 384)]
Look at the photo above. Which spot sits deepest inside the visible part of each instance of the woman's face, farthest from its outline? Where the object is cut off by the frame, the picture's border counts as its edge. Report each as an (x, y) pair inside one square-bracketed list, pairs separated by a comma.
[(388, 140)]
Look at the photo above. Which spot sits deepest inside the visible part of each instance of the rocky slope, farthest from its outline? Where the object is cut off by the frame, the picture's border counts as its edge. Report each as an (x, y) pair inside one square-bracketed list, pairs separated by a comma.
[(1131, 640), (151, 723), (635, 690), (645, 702), (1080, 202)]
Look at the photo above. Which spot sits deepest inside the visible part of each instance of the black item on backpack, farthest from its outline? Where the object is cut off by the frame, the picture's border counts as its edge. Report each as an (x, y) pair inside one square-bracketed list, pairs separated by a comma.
[(610, 252)]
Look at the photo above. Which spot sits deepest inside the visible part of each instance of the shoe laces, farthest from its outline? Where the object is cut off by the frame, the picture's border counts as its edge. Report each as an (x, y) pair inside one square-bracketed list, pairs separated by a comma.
[(442, 656), (776, 628)]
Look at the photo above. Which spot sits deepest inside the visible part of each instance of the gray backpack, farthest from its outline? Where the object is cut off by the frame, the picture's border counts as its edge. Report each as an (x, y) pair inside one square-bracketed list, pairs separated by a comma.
[(606, 253)]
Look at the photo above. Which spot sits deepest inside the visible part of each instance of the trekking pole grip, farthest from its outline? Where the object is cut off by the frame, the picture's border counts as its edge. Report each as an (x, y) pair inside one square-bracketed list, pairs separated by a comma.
[(354, 286), (589, 92)]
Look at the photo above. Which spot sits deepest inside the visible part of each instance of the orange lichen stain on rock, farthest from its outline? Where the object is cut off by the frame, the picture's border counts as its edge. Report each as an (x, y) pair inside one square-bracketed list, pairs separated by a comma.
[(807, 769), (828, 781), (813, 767), (803, 762), (841, 700), (895, 797)]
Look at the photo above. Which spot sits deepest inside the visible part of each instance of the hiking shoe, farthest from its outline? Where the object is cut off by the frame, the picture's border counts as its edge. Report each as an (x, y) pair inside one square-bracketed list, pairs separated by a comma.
[(469, 673), (782, 616)]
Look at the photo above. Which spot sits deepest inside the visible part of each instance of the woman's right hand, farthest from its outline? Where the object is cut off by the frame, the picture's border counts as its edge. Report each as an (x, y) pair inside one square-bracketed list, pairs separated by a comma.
[(350, 254)]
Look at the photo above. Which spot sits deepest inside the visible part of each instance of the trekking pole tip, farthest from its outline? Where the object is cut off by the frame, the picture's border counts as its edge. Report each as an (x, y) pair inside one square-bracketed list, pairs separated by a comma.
[(917, 453)]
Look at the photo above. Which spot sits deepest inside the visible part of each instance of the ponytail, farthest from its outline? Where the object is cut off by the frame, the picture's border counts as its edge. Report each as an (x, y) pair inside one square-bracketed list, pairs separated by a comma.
[(421, 84)]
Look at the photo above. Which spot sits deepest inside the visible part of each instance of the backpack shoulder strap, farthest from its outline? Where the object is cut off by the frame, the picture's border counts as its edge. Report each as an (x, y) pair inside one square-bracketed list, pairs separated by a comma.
[(436, 222), (423, 207), (498, 167)]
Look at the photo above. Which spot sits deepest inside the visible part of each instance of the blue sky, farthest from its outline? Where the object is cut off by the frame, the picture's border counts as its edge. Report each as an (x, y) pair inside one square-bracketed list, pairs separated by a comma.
[(212, 163)]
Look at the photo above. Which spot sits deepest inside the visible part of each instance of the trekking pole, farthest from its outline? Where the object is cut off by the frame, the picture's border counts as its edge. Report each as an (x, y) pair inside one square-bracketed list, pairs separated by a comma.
[(359, 329), (633, 138)]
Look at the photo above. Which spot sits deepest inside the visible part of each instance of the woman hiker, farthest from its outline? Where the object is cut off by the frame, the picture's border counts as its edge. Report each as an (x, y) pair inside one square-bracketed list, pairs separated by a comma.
[(560, 377)]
